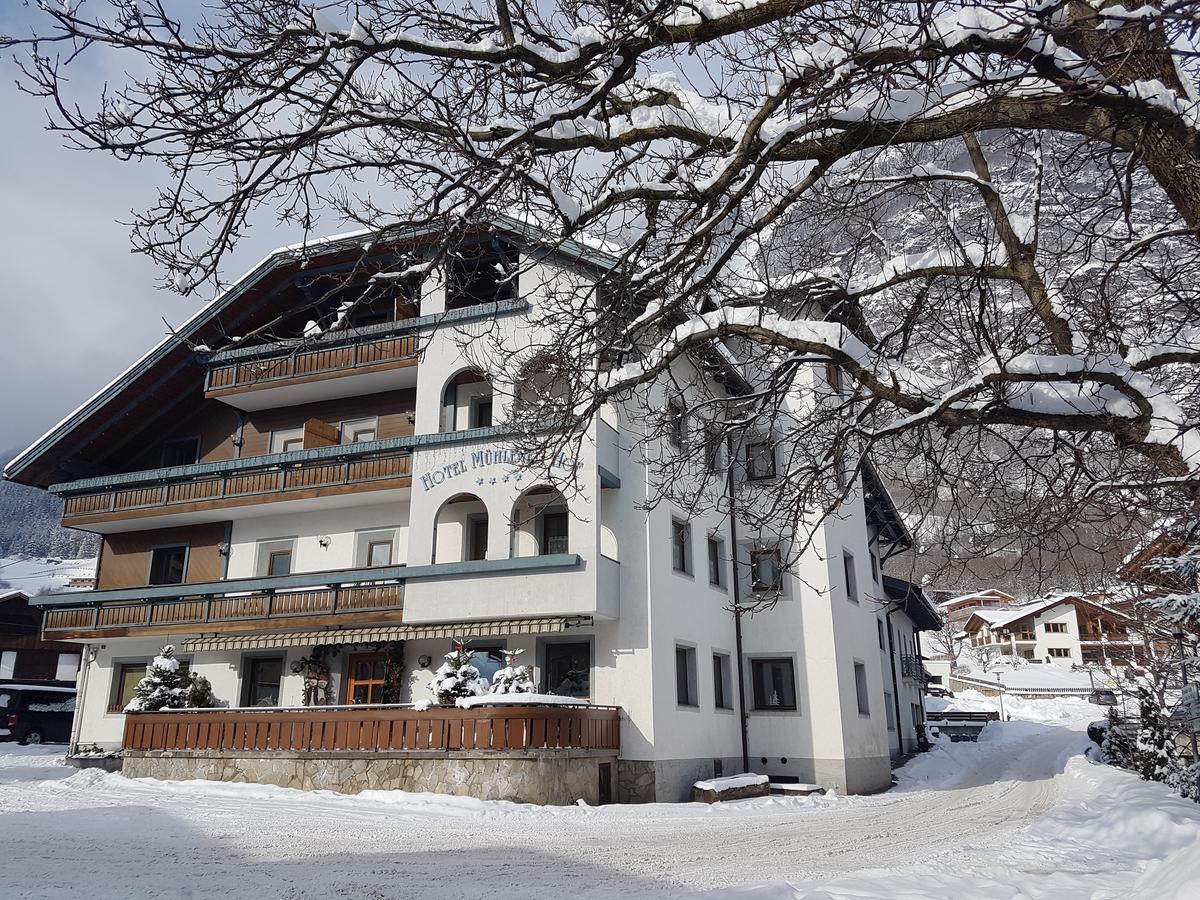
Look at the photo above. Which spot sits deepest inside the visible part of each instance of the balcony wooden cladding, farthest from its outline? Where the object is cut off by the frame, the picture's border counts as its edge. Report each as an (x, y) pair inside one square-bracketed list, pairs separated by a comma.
[(225, 489), (209, 612), (376, 729), (309, 365)]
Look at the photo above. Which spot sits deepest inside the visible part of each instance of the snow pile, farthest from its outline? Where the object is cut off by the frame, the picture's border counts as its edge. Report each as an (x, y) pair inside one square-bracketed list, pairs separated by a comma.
[(731, 782), (512, 679), (519, 700), (457, 678)]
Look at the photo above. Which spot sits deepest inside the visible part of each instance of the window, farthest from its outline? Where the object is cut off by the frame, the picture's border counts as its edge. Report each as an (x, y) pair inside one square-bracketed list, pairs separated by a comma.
[(125, 680), (126, 676), (554, 528), (480, 413), (774, 683), (357, 431), (286, 440), (860, 689), (851, 579), (916, 715), (766, 571), (889, 711), (714, 451), (181, 452), (279, 562), (882, 636), (685, 676), (874, 566), (567, 669), (839, 467), (681, 551), (275, 557), (168, 564), (675, 424), (263, 677), (379, 553), (833, 374), (488, 660), (366, 676), (722, 684), (1059, 652), (477, 537), (716, 561), (1056, 628), (760, 460)]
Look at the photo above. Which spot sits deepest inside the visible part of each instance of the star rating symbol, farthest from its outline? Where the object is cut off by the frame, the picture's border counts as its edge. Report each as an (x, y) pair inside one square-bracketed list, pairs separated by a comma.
[(491, 481), (518, 477), (504, 478), (479, 480)]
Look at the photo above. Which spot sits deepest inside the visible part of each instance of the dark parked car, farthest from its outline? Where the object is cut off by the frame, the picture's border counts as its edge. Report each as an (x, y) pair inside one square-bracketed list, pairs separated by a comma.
[(36, 714)]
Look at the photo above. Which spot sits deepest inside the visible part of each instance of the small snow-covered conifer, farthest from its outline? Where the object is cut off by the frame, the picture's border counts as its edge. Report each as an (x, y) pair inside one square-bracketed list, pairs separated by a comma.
[(457, 677), (512, 679)]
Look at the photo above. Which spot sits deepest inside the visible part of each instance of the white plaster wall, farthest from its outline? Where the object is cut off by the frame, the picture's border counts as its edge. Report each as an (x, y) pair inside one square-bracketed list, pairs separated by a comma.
[(341, 525), (1063, 614)]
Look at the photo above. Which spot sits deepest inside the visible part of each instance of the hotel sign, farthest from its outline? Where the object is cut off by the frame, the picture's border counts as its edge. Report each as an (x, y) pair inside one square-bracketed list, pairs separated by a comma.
[(479, 462)]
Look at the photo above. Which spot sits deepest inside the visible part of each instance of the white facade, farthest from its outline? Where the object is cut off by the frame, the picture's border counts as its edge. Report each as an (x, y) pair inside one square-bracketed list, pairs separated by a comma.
[(847, 709)]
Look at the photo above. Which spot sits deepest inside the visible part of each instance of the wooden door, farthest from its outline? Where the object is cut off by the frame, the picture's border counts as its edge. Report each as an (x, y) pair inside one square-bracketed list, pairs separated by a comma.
[(366, 673)]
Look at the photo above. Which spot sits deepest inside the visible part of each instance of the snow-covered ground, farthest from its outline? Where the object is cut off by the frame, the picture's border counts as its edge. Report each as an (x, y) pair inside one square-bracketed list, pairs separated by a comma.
[(1023, 813), (33, 573)]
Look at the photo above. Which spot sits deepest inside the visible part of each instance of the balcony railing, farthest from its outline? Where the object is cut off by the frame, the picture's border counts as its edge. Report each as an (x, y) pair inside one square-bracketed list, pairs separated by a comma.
[(299, 365), (346, 591), (235, 482), (911, 667), (376, 728)]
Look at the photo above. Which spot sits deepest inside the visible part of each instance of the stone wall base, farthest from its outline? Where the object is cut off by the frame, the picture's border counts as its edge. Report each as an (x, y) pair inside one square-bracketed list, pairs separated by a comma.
[(553, 778)]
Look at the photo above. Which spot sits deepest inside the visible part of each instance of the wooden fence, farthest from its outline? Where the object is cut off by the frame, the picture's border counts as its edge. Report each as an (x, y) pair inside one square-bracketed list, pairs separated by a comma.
[(376, 728)]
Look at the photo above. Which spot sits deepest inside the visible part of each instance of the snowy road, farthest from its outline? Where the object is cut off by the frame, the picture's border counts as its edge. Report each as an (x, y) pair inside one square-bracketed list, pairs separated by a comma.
[(1019, 814)]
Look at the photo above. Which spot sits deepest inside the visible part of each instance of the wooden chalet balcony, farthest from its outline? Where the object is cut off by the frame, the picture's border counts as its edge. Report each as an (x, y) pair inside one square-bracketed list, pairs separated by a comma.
[(317, 598), (293, 366), (375, 729), (300, 474), (339, 363)]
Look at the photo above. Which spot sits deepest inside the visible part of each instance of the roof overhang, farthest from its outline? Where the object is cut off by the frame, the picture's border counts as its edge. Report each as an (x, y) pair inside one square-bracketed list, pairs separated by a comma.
[(912, 600)]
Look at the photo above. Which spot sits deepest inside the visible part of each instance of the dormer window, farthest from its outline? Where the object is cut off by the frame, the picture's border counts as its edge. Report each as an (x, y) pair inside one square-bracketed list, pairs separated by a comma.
[(487, 274)]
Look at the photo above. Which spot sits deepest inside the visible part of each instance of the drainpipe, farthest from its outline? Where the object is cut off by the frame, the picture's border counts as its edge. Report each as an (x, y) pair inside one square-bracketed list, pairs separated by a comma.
[(923, 738), (737, 611), (86, 658), (887, 624)]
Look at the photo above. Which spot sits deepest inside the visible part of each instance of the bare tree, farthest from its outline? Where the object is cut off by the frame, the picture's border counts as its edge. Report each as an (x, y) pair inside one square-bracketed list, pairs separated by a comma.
[(956, 239)]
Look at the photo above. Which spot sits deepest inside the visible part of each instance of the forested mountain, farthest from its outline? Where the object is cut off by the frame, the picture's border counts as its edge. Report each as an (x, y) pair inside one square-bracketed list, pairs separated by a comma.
[(30, 523)]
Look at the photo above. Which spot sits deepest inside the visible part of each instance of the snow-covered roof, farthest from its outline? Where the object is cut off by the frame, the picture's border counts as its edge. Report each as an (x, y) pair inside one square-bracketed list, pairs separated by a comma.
[(1002, 617), (989, 594)]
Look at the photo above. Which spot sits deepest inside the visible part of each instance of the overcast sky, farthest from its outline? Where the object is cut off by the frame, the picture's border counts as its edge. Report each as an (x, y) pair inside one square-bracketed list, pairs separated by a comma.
[(78, 307)]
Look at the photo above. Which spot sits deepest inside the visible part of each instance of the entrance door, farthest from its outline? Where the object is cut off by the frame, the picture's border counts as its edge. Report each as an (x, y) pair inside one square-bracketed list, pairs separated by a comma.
[(367, 674)]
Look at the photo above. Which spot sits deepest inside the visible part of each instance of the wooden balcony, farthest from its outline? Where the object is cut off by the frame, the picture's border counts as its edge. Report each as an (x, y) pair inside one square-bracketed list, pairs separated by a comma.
[(289, 365), (301, 474), (371, 729), (317, 598)]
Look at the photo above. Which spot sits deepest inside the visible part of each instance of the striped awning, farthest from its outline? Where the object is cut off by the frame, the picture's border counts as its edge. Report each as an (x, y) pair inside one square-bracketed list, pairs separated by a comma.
[(433, 631)]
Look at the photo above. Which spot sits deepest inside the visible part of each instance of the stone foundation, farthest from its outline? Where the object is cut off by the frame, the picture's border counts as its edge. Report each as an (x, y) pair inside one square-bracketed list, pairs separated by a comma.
[(546, 777)]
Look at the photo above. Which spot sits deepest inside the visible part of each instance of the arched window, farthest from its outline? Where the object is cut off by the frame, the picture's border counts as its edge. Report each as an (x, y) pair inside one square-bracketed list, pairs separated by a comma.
[(460, 530), (541, 524), (542, 393), (467, 402)]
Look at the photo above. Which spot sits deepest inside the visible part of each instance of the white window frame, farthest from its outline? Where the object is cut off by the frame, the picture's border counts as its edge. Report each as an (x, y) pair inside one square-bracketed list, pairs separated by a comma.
[(349, 428), (263, 550), (281, 437)]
